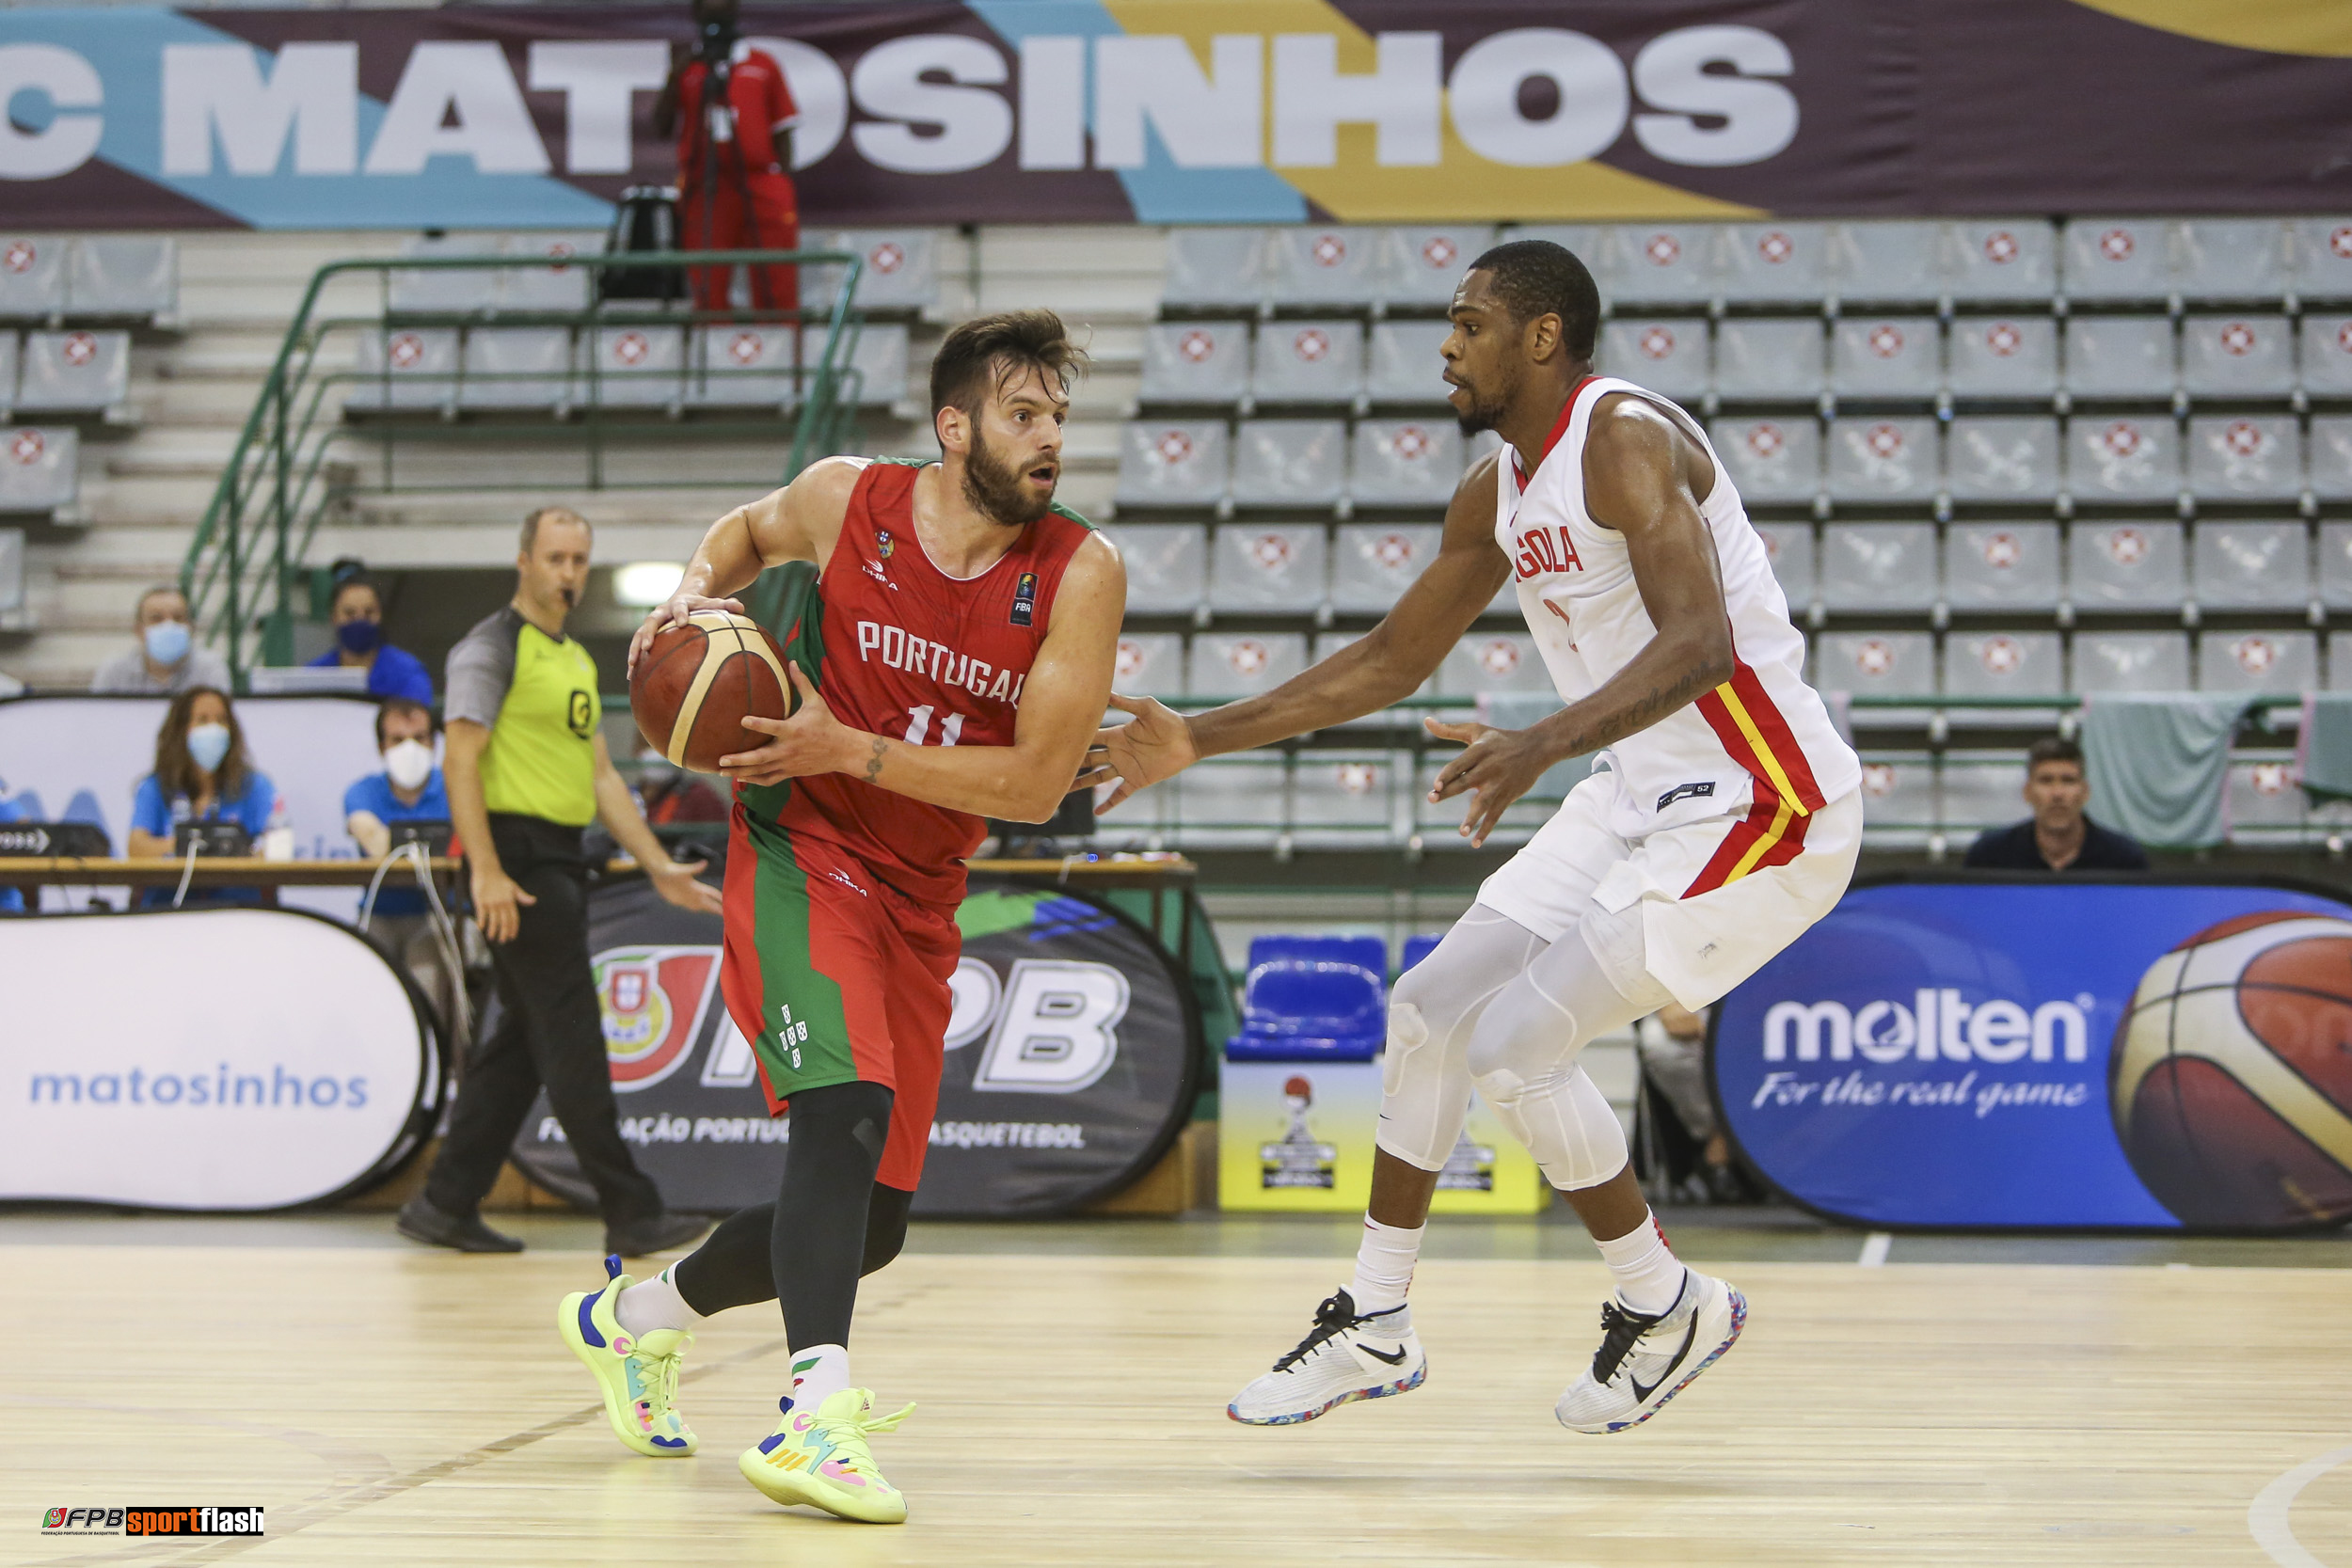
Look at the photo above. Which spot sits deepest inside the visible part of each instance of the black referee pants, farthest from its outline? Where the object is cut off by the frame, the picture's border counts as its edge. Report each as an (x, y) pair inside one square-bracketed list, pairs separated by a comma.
[(550, 1036)]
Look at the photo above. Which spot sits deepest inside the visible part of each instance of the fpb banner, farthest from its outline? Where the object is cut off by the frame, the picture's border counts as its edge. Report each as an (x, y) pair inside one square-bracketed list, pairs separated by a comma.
[(1185, 111), (1071, 1054), (2053, 1054)]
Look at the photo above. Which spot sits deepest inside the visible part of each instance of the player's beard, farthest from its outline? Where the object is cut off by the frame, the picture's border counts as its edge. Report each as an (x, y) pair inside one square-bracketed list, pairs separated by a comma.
[(1486, 410), (995, 490)]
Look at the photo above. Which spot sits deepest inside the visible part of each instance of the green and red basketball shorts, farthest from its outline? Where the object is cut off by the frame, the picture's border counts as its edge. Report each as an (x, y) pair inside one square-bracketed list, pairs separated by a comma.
[(835, 977)]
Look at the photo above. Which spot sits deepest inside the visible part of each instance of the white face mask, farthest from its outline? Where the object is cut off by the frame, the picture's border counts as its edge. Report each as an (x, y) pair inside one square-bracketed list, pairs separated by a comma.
[(408, 764)]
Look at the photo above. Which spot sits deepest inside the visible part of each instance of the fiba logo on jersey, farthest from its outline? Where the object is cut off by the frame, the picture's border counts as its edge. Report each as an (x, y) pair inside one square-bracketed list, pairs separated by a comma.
[(2232, 1077)]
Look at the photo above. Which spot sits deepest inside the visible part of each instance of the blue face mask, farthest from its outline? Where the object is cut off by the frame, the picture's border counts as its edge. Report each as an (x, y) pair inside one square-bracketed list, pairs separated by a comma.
[(166, 641), (359, 637), (208, 744)]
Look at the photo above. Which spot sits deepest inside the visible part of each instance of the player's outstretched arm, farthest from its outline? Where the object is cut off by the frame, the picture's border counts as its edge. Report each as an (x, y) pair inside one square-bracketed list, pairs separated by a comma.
[(1643, 477), (1062, 700), (798, 522), (1368, 675)]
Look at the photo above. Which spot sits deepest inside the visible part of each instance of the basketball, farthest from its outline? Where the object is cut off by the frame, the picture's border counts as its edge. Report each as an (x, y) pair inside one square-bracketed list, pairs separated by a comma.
[(2232, 1077), (698, 682)]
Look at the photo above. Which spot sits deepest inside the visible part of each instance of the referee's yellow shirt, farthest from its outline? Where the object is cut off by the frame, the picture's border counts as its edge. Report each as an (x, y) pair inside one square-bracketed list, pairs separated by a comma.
[(536, 695)]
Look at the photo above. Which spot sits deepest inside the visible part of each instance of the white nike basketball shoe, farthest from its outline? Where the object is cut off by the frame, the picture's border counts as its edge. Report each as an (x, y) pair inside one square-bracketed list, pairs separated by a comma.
[(1347, 1355), (1644, 1359)]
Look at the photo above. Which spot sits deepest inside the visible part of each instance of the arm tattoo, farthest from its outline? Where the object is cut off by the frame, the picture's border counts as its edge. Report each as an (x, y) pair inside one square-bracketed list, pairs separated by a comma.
[(873, 764)]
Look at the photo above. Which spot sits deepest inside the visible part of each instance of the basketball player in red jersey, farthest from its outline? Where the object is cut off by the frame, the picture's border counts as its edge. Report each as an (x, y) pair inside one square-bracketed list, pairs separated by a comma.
[(952, 650)]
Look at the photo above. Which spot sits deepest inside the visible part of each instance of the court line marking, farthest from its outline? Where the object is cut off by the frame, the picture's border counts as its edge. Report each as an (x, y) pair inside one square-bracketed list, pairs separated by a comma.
[(1874, 1247), (2266, 1516)]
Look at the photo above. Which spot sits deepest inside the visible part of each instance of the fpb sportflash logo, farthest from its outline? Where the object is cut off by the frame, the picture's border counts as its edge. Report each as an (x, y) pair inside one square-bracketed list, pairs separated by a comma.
[(151, 1521)]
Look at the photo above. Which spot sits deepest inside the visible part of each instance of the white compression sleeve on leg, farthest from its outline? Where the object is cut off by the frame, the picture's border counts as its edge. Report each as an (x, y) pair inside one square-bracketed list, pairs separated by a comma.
[(1424, 1075), (1523, 1056)]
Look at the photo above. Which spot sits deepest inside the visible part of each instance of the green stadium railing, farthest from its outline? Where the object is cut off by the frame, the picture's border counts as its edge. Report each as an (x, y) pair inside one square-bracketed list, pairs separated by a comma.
[(246, 571)]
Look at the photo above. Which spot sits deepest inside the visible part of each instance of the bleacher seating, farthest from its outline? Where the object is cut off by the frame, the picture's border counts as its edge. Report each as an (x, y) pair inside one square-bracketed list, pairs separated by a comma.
[(2010, 567), (1878, 567), (900, 276), (1182, 463), (1402, 366), (636, 367), (1789, 547), (404, 367), (2131, 661), (1375, 562), (1769, 359), (1995, 462), (39, 467), (1233, 803), (89, 278), (1290, 463), (1886, 357), (1416, 949), (1773, 461), (518, 366), (2237, 356), (1267, 567), (1242, 664), (2283, 662), (1307, 361), (74, 371), (1492, 662), (1313, 999), (2251, 565), (1668, 354), (1889, 459), (744, 364), (2003, 357), (1149, 664), (1350, 798), (1168, 566), (1196, 362)]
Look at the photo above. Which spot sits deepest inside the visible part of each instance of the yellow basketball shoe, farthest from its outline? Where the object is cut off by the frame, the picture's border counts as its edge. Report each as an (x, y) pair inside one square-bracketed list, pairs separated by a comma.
[(638, 1373), (820, 1457)]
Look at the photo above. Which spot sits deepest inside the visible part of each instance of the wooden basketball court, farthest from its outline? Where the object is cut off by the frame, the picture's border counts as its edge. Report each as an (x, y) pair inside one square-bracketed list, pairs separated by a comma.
[(390, 1404)]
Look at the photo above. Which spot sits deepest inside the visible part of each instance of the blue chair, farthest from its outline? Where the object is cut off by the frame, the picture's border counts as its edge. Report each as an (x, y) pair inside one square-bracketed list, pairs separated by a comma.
[(1312, 999), (1418, 948)]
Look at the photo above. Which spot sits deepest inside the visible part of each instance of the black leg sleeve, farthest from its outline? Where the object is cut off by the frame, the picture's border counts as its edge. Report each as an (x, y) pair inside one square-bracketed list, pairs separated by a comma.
[(817, 1243), (731, 1268)]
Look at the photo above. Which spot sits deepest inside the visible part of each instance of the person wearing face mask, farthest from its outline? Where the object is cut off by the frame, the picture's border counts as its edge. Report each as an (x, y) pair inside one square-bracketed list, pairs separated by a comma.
[(202, 774), (409, 789), (358, 615), (166, 659)]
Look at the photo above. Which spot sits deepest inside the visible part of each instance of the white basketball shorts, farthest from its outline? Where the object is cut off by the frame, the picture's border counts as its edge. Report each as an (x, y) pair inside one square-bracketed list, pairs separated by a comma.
[(1714, 898)]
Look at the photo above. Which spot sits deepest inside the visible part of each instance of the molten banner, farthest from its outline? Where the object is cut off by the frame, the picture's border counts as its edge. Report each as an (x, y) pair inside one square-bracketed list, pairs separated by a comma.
[(1071, 1046), (2051, 1053)]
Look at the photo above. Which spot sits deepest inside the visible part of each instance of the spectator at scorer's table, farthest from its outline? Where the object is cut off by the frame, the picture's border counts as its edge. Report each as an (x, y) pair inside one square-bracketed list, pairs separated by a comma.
[(202, 774), (358, 616), (408, 789), (2060, 836), (166, 659)]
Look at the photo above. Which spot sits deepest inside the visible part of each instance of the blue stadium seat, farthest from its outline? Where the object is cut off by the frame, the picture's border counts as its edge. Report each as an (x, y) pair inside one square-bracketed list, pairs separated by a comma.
[(1312, 999), (1418, 948)]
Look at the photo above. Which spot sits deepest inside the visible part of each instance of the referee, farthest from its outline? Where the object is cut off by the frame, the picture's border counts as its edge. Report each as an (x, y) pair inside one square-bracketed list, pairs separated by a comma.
[(527, 770)]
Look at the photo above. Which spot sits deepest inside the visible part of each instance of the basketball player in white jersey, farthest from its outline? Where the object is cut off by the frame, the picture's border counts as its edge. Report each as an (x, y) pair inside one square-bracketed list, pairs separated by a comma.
[(1721, 820)]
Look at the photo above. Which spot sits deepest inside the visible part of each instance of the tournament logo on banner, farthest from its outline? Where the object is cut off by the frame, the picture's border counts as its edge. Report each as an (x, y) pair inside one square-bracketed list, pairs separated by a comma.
[(2053, 1054), (1072, 1052)]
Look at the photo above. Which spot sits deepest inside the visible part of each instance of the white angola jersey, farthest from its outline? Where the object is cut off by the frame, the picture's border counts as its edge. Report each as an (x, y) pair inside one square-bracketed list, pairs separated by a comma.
[(1761, 743)]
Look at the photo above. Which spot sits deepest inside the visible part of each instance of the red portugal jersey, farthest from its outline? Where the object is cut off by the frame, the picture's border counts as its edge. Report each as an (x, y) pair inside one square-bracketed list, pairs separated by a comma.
[(901, 649)]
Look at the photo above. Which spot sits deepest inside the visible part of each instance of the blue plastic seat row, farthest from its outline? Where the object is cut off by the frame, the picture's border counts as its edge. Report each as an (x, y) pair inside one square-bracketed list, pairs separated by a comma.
[(1317, 999)]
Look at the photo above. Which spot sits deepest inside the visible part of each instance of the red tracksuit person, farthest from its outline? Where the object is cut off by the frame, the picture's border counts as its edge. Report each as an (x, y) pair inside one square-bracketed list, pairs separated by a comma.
[(731, 154)]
